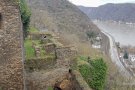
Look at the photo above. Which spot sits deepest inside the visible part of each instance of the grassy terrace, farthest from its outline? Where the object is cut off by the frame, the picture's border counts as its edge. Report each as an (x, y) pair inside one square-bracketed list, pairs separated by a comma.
[(29, 49)]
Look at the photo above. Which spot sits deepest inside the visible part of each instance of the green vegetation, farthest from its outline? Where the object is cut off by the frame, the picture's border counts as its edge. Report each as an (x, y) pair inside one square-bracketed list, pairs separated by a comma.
[(94, 72), (91, 34), (25, 15), (0, 88), (29, 50), (50, 88), (32, 29), (83, 58), (85, 72), (125, 55), (98, 74), (30, 43)]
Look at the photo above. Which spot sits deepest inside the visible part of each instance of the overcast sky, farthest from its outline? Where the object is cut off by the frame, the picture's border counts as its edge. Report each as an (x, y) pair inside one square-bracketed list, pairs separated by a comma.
[(95, 3)]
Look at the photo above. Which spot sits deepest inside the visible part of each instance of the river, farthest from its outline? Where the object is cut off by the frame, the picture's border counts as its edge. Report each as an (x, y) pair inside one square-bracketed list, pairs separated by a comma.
[(123, 33)]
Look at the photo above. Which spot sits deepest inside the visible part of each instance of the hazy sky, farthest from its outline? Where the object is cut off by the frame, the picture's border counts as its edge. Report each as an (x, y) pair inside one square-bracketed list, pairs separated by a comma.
[(95, 3)]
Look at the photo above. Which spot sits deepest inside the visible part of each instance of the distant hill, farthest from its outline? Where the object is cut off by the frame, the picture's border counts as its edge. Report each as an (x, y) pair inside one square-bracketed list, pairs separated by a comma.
[(60, 14), (118, 12)]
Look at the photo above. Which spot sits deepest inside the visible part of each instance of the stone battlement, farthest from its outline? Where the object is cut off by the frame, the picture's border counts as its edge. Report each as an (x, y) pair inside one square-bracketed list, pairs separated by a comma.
[(11, 56)]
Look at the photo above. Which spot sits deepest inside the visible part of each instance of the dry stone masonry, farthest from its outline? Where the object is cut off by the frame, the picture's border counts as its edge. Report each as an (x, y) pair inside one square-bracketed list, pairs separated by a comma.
[(50, 48), (64, 56), (11, 56), (37, 51)]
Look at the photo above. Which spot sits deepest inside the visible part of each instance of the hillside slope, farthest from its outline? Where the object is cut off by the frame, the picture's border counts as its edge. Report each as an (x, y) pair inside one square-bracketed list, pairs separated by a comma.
[(64, 19), (117, 12)]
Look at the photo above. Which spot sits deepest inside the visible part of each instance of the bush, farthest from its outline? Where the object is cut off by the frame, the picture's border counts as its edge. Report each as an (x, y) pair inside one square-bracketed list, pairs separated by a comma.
[(98, 70), (95, 73), (85, 72), (25, 15), (125, 55), (91, 34)]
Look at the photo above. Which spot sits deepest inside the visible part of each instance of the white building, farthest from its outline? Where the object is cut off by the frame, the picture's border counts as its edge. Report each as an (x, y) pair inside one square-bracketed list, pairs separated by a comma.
[(96, 46), (132, 57)]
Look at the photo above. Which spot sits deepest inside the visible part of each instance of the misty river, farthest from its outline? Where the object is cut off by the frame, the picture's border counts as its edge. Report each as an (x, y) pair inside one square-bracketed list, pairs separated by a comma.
[(123, 33)]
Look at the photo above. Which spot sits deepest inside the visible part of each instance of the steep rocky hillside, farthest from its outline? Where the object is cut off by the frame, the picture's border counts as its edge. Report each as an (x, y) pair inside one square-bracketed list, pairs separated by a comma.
[(63, 18), (118, 12)]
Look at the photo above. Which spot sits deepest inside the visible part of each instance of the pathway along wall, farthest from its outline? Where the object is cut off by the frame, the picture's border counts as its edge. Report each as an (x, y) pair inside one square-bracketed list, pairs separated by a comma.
[(11, 56)]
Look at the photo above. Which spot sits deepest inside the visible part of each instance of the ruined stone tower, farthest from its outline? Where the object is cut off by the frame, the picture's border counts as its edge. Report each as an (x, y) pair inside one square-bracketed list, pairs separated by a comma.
[(11, 56)]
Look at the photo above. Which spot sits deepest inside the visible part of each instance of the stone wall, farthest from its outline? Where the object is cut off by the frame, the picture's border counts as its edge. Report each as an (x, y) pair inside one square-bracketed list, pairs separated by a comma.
[(50, 48), (58, 77), (39, 64), (65, 52), (65, 57), (38, 35), (82, 83), (11, 56)]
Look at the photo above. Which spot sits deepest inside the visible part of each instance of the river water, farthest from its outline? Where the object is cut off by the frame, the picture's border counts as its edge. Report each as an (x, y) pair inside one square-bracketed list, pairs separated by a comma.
[(123, 33)]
